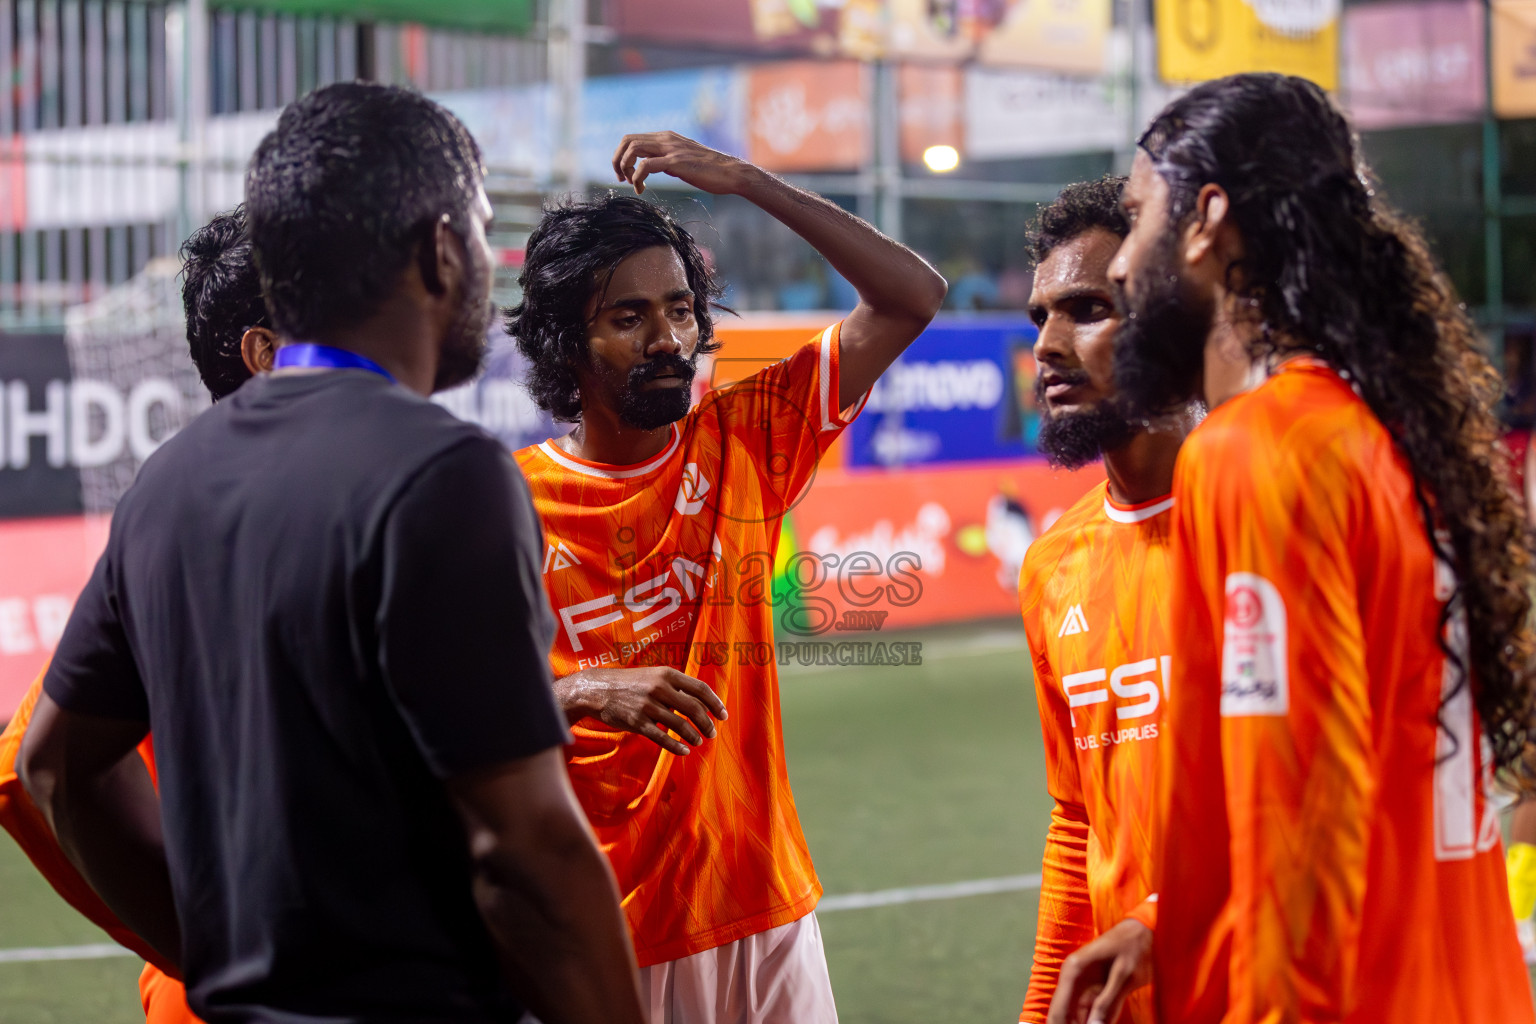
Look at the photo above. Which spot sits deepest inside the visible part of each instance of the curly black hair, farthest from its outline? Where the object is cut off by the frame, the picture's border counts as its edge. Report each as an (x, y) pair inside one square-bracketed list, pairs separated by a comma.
[(221, 294), (1328, 266), (571, 254), (1079, 208)]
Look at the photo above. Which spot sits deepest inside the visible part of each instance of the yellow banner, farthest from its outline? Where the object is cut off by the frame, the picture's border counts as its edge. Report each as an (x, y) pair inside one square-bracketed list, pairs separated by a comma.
[(1203, 39), (1514, 58)]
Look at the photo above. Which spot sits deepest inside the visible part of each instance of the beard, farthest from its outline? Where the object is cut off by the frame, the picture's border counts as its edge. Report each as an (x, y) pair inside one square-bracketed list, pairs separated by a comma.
[(648, 408), (1160, 346), (1072, 440), (463, 351)]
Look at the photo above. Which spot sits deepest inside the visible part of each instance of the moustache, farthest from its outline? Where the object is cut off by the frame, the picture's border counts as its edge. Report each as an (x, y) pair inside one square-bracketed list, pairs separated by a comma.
[(648, 371), (1049, 377)]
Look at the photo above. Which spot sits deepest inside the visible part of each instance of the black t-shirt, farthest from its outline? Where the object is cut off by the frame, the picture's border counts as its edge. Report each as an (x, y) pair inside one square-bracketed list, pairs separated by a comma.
[(324, 597)]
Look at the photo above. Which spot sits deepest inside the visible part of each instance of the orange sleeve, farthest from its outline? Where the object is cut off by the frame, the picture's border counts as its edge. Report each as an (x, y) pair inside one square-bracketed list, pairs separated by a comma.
[(21, 818), (1065, 921), (787, 415), (164, 998), (1264, 557)]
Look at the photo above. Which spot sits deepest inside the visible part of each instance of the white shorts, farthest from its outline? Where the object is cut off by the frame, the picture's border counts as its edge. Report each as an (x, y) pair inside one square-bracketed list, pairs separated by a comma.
[(774, 977)]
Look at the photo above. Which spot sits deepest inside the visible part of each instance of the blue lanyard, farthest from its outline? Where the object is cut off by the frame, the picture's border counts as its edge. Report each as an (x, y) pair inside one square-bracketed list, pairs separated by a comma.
[(327, 357)]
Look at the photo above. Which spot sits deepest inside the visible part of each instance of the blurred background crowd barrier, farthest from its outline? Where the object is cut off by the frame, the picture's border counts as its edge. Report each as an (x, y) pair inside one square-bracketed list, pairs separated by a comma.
[(125, 124)]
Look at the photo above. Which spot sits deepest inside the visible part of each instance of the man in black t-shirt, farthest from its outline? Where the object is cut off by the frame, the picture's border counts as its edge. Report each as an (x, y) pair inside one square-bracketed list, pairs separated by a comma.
[(324, 597)]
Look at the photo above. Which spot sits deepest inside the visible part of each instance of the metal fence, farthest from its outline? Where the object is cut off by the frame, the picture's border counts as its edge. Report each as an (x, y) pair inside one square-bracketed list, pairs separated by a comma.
[(125, 124)]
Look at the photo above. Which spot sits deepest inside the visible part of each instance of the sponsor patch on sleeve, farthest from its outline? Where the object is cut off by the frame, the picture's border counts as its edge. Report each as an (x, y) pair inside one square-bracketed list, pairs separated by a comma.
[(1254, 678)]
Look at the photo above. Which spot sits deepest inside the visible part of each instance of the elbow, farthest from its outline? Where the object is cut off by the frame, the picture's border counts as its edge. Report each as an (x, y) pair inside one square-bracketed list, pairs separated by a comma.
[(933, 294)]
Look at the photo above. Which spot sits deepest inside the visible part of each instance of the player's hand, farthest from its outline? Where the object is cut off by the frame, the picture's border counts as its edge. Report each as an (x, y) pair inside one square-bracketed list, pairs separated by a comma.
[(640, 156), (1095, 980), (647, 701)]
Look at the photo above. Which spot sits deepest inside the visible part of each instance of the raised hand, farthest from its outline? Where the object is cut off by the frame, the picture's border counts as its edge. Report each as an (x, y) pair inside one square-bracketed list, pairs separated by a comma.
[(647, 701), (640, 156)]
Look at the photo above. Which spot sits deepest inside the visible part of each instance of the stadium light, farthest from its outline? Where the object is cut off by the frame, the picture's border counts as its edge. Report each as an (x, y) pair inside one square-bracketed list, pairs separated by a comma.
[(941, 159)]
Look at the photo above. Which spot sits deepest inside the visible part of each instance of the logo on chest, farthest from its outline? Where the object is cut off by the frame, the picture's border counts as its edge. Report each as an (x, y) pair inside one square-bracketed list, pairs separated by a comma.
[(1134, 687)]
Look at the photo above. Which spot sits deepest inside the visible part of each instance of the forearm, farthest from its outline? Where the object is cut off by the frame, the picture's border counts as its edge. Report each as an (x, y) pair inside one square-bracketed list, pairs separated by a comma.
[(109, 827), (554, 914), (1065, 922), (890, 278)]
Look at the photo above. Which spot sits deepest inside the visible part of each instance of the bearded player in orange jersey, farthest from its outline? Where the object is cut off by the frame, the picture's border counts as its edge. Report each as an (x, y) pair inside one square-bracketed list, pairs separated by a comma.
[(1094, 595), (1350, 574), (662, 525), (230, 340)]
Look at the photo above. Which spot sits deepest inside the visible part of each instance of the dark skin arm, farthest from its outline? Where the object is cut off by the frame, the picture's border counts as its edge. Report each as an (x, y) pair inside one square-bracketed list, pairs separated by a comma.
[(648, 701), (899, 293), (92, 788), (547, 894)]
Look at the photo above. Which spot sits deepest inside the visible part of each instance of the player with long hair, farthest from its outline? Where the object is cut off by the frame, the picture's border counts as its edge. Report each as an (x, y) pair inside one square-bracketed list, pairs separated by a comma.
[(1351, 574), (661, 525)]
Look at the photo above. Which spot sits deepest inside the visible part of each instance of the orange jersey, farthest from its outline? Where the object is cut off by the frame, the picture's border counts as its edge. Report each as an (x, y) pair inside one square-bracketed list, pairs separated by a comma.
[(670, 562), (21, 818), (1094, 595), (1330, 851)]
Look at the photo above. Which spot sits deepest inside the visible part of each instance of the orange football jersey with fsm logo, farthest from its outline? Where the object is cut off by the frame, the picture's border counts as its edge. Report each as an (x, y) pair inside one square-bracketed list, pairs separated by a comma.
[(1093, 591), (1330, 850), (670, 562), (164, 998)]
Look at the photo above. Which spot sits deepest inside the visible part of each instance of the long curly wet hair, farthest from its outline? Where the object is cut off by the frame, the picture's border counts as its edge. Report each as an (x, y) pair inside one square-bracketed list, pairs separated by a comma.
[(1328, 266), (571, 254)]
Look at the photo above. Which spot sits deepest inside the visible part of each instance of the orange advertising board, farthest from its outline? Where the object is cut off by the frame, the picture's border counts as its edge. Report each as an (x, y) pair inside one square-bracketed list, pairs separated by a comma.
[(809, 116), (1514, 58), (923, 546), (930, 102)]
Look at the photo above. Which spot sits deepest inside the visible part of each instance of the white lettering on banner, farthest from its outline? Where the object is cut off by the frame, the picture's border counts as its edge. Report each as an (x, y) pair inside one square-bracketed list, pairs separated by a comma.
[(940, 387), (26, 424), (31, 624), (15, 627), (1125, 683), (923, 539), (87, 423), (1255, 676)]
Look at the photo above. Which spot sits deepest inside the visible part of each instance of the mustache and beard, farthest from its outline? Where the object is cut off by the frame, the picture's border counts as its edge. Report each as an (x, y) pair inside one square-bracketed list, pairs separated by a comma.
[(648, 408), (1074, 439), (1160, 346)]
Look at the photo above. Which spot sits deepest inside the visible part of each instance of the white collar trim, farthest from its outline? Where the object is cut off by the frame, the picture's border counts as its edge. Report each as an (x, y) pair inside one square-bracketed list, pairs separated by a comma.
[(548, 448), (1137, 515)]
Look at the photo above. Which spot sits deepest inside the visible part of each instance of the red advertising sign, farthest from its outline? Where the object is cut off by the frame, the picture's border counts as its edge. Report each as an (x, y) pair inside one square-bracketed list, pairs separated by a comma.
[(47, 562), (888, 550)]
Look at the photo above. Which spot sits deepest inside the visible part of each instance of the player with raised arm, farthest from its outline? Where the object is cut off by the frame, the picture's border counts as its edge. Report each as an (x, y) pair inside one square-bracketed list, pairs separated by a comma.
[(1093, 590), (230, 340), (661, 526), (1350, 578)]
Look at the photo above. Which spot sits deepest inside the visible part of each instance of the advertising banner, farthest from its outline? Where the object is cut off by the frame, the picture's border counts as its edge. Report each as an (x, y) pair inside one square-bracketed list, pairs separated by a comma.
[(963, 392), (1203, 39), (1414, 63), (931, 106), (707, 105), (1514, 58), (1071, 36), (809, 116), (866, 551), (1036, 113)]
